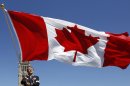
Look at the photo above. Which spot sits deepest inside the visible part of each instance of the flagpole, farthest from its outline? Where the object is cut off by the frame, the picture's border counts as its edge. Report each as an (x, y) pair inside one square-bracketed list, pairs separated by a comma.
[(9, 30), (22, 66)]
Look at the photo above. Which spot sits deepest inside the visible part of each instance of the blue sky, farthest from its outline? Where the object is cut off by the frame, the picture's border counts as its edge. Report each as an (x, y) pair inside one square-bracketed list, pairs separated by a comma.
[(102, 15)]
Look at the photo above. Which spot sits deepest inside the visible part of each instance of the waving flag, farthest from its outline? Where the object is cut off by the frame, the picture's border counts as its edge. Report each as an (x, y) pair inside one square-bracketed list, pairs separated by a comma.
[(43, 38)]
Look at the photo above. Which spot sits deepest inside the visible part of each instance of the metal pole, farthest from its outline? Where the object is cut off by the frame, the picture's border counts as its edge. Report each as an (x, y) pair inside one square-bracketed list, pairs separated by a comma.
[(22, 66), (9, 29)]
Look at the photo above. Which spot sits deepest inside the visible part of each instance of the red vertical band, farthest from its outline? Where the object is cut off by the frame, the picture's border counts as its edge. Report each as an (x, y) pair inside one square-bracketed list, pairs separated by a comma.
[(32, 35), (117, 52)]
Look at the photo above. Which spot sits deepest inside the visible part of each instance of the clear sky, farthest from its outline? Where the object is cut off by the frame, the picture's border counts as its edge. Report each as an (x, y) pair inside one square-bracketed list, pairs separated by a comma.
[(102, 15)]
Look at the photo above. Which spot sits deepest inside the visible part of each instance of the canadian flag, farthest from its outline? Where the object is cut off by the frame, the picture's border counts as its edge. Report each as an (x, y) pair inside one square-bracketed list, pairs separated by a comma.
[(43, 38)]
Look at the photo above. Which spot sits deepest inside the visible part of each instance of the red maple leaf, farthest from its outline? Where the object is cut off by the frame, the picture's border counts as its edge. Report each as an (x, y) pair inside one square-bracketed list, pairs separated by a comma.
[(73, 38)]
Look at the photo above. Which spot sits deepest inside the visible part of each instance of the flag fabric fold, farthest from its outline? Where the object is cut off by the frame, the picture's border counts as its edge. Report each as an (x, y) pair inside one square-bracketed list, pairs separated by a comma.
[(43, 38)]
